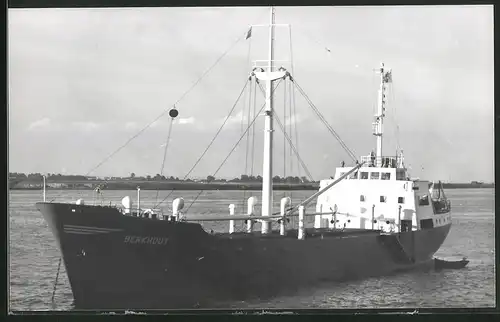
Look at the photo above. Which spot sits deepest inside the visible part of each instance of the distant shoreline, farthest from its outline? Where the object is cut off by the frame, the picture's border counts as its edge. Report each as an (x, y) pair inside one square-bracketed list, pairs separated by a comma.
[(187, 186)]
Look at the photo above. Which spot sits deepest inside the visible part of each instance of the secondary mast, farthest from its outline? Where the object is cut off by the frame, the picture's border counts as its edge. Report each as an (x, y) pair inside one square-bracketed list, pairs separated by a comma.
[(267, 171), (378, 130)]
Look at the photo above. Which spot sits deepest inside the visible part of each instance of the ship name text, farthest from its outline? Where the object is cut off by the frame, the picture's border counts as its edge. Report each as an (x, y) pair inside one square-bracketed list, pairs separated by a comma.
[(145, 240)]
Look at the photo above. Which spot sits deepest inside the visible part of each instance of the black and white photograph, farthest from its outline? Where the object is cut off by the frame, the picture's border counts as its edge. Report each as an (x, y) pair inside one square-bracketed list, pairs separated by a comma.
[(250, 158)]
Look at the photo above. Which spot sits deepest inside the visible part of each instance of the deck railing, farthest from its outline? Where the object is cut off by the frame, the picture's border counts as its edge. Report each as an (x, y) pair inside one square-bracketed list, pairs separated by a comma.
[(383, 161)]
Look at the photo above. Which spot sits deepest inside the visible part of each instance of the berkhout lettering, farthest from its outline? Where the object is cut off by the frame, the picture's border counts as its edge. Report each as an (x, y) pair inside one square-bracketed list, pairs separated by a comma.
[(146, 240)]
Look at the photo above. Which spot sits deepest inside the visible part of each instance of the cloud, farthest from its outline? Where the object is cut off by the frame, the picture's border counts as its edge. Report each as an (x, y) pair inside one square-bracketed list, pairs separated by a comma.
[(233, 119), (237, 119), (86, 126), (43, 123), (188, 120), (46, 124), (67, 65), (131, 125)]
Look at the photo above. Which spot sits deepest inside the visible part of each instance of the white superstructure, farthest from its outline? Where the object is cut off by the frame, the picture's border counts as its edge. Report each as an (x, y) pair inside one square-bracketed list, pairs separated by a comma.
[(380, 195)]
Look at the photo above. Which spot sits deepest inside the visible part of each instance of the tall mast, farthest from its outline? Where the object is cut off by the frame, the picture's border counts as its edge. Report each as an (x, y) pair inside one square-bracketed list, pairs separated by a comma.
[(378, 130), (267, 171)]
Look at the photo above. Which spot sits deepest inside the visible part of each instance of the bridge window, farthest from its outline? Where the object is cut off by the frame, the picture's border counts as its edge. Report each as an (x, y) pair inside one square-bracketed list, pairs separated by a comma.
[(364, 175), (341, 174), (383, 198), (362, 198), (401, 199), (374, 175), (386, 176), (400, 175), (353, 175), (423, 200)]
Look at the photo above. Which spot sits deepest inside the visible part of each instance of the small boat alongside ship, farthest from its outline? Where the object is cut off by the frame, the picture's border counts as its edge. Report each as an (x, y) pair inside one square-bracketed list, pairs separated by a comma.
[(370, 219), (440, 264)]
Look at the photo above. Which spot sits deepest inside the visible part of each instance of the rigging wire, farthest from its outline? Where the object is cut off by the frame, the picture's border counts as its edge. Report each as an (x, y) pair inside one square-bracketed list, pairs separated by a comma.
[(395, 117), (178, 100), (211, 142), (293, 98), (316, 41), (284, 138), (218, 131), (249, 110), (322, 118), (284, 132), (234, 147), (253, 126), (243, 114), (295, 150), (374, 101), (248, 133), (295, 125), (244, 99), (247, 138), (147, 126), (165, 153), (293, 147), (292, 119)]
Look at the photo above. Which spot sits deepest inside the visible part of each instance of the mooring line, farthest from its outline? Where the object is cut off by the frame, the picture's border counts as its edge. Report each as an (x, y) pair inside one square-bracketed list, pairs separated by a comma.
[(57, 277)]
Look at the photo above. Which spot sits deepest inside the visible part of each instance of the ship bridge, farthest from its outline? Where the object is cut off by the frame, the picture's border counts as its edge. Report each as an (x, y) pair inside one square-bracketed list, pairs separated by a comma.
[(379, 195), (373, 168), (382, 161)]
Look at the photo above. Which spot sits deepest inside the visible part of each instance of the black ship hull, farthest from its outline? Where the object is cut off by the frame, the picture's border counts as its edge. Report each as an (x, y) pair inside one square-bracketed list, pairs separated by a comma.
[(115, 261)]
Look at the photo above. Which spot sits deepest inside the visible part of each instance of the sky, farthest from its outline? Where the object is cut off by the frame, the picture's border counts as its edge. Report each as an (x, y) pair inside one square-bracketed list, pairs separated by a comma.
[(84, 81)]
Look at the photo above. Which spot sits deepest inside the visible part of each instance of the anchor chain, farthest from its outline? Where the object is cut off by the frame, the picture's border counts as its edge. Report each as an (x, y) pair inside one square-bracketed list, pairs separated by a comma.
[(55, 283)]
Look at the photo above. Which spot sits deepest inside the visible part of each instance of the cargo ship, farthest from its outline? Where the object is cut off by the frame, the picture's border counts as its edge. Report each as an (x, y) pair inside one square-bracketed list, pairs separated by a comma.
[(370, 219)]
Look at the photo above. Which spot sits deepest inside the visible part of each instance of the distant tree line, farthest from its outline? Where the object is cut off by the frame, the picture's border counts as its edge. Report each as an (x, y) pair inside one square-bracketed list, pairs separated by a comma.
[(23, 176), (276, 179), (157, 177)]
